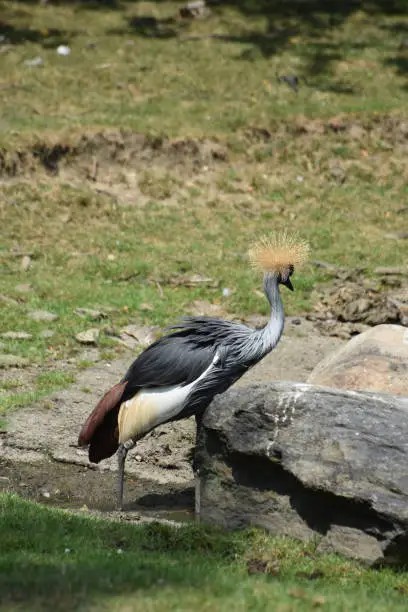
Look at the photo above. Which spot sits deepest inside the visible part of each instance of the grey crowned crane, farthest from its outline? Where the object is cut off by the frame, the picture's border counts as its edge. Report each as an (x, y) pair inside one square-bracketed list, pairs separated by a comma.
[(178, 375)]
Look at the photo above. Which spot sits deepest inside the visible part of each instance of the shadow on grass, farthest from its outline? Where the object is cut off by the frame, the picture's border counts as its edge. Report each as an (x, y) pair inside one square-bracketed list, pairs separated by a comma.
[(400, 62), (284, 21), (47, 38), (57, 560)]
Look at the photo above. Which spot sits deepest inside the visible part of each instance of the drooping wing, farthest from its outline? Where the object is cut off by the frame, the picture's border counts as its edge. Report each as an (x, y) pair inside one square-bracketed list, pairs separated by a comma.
[(172, 360), (100, 428)]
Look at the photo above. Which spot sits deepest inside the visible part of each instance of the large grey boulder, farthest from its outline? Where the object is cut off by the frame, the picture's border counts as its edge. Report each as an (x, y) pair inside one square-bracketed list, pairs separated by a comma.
[(375, 360), (309, 462)]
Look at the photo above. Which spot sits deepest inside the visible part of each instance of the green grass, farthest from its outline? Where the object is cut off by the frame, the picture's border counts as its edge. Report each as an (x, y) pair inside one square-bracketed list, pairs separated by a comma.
[(54, 560), (129, 67), (43, 385)]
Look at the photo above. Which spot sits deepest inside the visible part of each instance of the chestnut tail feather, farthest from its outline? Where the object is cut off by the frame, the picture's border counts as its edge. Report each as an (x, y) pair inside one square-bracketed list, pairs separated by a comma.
[(100, 430)]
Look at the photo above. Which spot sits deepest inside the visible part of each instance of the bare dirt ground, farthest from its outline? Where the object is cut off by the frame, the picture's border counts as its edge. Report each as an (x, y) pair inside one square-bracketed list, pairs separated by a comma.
[(39, 457)]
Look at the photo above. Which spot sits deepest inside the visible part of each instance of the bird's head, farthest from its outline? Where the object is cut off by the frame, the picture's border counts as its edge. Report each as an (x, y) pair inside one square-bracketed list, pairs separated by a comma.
[(277, 256)]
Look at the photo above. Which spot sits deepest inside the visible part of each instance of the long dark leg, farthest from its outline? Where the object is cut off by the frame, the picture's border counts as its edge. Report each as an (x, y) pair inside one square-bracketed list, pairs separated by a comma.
[(199, 419), (122, 453)]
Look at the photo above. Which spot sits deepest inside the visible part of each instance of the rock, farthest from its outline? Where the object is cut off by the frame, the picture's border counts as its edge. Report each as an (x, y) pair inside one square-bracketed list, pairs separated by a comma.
[(137, 335), (25, 263), (397, 235), (352, 543), (23, 288), (91, 313), (146, 307), (36, 61), (90, 336), (47, 333), (8, 300), (195, 9), (352, 300), (375, 360), (331, 327), (13, 361), (16, 335), (311, 463), (43, 315), (196, 280), (63, 50)]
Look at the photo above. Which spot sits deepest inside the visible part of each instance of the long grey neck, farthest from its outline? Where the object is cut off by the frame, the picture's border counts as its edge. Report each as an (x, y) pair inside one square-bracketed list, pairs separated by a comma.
[(270, 335)]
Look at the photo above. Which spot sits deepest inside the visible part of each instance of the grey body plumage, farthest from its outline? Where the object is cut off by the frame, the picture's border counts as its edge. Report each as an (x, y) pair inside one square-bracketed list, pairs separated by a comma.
[(182, 355)]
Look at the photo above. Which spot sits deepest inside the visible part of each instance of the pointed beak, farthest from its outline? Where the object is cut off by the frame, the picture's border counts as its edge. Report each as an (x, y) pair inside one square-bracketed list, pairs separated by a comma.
[(288, 284)]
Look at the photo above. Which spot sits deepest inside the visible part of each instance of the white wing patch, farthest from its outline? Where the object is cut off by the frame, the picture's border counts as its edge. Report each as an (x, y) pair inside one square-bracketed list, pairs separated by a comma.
[(151, 407)]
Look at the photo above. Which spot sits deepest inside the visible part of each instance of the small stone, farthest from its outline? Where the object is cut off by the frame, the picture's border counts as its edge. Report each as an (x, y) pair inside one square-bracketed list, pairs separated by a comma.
[(397, 235), (42, 315), (290, 79), (63, 50), (47, 333), (25, 262), (90, 336), (16, 335), (143, 335), (318, 600), (89, 354), (146, 306), (13, 361), (338, 174), (195, 9), (36, 61), (8, 300), (23, 288), (90, 312)]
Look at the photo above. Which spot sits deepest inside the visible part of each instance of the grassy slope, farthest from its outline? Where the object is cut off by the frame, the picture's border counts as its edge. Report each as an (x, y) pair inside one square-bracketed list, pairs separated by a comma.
[(67, 562)]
